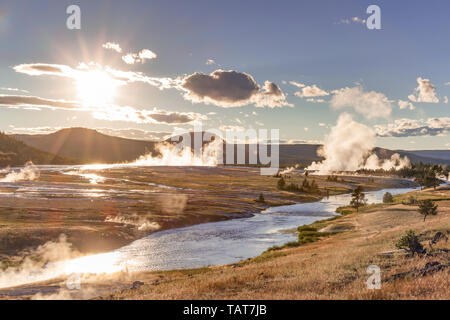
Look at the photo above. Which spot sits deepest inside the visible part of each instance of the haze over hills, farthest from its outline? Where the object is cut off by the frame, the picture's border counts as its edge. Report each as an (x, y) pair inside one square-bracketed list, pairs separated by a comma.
[(433, 154), (87, 145), (14, 152)]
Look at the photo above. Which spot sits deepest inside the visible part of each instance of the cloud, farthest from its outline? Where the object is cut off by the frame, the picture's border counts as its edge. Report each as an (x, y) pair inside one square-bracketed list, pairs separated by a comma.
[(315, 100), (210, 62), (38, 69), (110, 113), (32, 130), (112, 46), (425, 92), (221, 88), (311, 91), (122, 77), (13, 89), (297, 84), (30, 101), (231, 128), (445, 99), (410, 127), (405, 105), (130, 114), (370, 104), (140, 57), (231, 89)]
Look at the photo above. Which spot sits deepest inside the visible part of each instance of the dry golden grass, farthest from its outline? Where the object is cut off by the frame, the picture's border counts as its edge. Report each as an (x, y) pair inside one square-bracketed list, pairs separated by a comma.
[(333, 268)]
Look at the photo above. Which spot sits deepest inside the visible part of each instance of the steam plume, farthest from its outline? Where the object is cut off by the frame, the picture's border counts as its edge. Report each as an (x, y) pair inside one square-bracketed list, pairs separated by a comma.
[(29, 172), (174, 155), (349, 147)]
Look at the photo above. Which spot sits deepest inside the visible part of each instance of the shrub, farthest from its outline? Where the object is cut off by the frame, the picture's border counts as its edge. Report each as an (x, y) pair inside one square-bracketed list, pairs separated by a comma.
[(281, 183), (358, 198), (427, 208), (388, 198), (261, 198), (410, 242)]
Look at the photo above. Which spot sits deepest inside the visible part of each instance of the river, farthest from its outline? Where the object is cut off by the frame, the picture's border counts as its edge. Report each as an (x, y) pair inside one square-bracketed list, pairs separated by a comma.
[(199, 245)]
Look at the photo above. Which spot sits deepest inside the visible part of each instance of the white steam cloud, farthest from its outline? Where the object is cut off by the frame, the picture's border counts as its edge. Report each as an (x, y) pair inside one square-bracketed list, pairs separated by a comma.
[(183, 155), (49, 252), (349, 147), (28, 173), (141, 223)]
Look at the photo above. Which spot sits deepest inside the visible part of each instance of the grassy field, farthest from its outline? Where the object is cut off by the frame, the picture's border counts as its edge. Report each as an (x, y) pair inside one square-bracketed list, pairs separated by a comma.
[(333, 267)]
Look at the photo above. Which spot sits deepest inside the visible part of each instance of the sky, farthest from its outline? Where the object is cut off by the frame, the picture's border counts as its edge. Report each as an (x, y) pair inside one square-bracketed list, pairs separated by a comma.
[(143, 69)]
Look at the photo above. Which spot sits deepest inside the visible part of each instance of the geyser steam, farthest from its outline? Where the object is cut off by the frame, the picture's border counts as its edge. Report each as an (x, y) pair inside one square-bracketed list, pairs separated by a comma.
[(349, 147), (183, 155), (27, 173)]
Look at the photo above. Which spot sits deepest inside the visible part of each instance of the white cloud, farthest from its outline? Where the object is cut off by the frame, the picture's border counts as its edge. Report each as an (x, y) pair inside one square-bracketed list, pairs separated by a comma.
[(140, 57), (405, 105), (210, 62), (222, 88), (130, 114), (110, 113), (13, 89), (412, 127), (425, 92), (311, 91), (370, 104), (315, 100), (297, 84), (112, 46)]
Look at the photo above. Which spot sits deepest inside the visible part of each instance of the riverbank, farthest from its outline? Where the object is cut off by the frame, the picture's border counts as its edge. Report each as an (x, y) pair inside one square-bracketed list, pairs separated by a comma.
[(100, 285), (335, 267), (102, 210)]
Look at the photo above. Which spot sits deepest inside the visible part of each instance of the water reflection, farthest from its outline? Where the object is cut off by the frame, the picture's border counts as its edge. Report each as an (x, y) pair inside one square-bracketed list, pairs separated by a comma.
[(204, 244)]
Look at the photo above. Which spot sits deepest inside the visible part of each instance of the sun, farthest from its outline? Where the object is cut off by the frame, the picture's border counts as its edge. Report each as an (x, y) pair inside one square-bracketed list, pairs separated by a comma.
[(96, 88)]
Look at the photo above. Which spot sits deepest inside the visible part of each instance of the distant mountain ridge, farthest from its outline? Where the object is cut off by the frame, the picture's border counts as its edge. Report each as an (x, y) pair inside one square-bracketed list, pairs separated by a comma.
[(14, 153), (90, 146)]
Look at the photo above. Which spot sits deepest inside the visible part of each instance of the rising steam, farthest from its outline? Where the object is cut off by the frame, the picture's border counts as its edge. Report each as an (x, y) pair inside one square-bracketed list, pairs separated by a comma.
[(349, 147), (176, 155), (141, 223), (28, 173), (49, 252)]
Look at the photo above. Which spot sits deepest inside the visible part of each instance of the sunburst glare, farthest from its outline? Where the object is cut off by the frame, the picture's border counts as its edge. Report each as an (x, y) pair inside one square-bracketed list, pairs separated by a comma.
[(96, 88)]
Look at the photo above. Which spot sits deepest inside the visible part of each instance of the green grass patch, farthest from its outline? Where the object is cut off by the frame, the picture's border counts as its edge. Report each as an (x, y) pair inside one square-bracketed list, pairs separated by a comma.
[(265, 256)]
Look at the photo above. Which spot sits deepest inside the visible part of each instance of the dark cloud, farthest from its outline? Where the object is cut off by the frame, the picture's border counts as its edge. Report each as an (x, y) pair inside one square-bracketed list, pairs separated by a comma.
[(172, 117), (231, 89), (221, 86), (26, 101), (37, 69)]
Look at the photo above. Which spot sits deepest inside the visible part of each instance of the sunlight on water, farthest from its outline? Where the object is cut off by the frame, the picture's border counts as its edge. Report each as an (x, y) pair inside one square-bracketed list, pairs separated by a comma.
[(100, 263)]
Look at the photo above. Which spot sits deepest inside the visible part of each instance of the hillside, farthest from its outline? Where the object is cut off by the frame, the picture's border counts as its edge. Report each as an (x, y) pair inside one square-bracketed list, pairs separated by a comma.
[(433, 154), (14, 152), (437, 156), (88, 145)]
